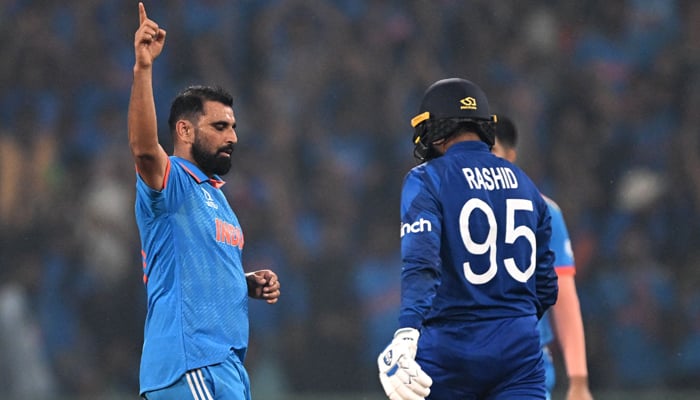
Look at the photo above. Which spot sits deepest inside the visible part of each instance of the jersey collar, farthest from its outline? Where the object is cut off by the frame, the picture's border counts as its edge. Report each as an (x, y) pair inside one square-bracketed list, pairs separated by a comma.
[(197, 174), (473, 145)]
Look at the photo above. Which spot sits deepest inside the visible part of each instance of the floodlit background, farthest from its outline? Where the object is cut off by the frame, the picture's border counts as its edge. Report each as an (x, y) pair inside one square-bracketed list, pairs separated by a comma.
[(606, 95)]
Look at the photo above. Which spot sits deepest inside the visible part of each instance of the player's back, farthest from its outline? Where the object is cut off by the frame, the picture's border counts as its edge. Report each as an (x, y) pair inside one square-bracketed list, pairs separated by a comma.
[(491, 227), (475, 234)]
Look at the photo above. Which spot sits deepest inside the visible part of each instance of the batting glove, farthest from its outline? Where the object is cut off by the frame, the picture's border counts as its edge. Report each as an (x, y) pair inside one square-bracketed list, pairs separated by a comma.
[(400, 375)]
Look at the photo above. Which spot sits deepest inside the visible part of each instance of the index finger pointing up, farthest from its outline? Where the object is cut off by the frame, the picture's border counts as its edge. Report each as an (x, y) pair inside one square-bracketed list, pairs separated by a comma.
[(142, 13)]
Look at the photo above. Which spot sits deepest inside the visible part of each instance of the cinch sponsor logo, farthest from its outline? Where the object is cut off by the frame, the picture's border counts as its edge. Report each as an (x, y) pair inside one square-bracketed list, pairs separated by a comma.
[(229, 234), (419, 226)]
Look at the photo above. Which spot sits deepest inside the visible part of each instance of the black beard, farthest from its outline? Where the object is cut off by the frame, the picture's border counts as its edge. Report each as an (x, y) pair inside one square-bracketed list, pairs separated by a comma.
[(211, 164)]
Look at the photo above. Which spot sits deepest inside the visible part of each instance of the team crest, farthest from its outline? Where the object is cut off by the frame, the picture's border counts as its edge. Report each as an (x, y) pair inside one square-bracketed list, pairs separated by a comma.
[(468, 103), (388, 357)]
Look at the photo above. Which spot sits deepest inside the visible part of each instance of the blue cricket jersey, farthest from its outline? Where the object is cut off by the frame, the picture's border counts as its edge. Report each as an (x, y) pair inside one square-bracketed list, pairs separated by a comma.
[(563, 260), (196, 289), (475, 235)]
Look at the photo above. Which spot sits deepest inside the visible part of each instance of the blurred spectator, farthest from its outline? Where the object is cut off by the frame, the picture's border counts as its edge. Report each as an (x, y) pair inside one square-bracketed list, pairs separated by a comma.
[(24, 368), (636, 294)]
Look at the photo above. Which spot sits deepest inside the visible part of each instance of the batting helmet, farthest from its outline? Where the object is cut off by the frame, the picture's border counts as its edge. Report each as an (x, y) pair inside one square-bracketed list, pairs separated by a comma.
[(450, 105)]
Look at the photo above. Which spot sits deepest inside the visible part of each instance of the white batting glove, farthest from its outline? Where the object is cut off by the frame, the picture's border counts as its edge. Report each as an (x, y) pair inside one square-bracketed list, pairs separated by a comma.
[(400, 375)]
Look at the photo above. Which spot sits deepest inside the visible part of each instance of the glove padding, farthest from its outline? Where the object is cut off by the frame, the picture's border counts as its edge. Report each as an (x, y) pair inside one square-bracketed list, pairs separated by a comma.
[(400, 375)]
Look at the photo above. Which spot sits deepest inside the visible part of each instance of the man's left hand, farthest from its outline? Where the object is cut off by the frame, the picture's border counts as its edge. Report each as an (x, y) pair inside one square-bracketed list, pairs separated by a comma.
[(263, 284)]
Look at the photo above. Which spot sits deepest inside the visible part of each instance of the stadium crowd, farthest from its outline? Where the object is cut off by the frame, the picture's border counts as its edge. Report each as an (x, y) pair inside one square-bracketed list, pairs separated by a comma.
[(606, 95)]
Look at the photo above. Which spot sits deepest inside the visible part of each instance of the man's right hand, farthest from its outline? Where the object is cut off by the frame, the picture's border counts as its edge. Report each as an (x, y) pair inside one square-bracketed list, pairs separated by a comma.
[(400, 375), (150, 157), (148, 40)]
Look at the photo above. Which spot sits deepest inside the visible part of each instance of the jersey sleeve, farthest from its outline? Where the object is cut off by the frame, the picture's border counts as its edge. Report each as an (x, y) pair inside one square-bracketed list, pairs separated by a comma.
[(421, 227), (546, 278), (150, 203), (560, 243)]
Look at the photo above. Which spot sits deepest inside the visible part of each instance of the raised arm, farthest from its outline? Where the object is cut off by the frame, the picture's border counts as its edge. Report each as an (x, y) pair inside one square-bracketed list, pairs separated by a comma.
[(150, 157)]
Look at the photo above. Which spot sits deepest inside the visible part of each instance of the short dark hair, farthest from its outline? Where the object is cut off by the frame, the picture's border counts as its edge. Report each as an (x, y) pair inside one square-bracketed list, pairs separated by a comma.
[(189, 103), (506, 132)]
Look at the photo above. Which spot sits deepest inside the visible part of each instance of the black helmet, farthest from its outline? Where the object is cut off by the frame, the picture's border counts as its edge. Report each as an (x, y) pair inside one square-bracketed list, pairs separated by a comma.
[(447, 105)]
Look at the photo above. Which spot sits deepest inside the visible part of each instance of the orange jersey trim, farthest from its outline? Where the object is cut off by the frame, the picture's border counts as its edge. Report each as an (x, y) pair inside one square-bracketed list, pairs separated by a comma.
[(217, 183), (167, 174), (143, 264), (190, 172), (565, 270), (165, 177)]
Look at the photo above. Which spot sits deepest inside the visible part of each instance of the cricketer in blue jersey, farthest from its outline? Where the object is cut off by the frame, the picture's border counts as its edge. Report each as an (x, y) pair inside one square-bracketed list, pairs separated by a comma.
[(196, 328), (477, 269), (566, 313)]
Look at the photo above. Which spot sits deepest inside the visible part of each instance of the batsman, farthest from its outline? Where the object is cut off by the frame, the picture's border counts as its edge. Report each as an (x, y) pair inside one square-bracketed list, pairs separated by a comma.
[(477, 271)]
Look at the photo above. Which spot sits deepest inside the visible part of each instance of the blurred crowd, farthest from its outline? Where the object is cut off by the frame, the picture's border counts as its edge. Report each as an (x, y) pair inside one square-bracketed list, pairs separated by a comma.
[(605, 94)]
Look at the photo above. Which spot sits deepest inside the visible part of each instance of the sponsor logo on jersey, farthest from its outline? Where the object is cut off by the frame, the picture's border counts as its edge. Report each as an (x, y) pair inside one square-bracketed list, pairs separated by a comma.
[(208, 199), (490, 178), (422, 225), (229, 234)]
